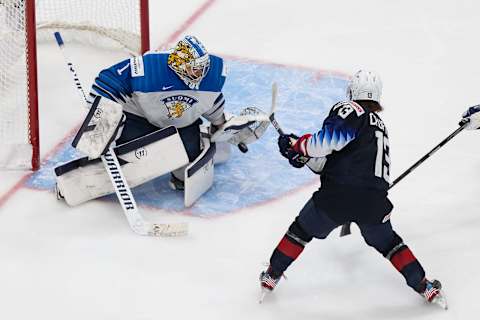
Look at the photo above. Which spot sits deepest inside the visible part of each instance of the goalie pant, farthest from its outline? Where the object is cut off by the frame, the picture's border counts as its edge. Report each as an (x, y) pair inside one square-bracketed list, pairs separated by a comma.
[(315, 223)]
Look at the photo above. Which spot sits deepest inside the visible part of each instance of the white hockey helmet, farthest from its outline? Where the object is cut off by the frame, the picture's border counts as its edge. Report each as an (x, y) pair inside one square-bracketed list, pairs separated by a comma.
[(365, 85), (190, 61)]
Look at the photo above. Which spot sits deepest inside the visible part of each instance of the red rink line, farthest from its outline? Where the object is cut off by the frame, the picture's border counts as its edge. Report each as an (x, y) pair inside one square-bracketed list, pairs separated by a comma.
[(194, 17), (14, 189), (21, 182)]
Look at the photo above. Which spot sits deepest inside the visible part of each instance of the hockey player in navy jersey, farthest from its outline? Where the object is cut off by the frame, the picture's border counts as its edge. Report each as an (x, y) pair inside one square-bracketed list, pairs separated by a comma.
[(131, 102), (353, 146)]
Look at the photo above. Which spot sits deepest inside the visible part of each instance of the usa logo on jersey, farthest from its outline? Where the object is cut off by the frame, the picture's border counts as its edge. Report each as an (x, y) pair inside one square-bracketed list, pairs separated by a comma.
[(178, 104)]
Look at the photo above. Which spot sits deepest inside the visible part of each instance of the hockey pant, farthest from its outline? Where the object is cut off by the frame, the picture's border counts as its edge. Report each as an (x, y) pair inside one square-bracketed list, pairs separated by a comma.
[(312, 223)]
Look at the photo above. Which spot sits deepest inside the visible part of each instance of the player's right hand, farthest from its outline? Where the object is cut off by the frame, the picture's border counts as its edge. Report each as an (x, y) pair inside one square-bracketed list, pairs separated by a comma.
[(472, 115)]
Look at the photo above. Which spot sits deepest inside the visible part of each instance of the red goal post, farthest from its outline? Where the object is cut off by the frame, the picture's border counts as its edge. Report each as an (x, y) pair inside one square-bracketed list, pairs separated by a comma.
[(120, 24)]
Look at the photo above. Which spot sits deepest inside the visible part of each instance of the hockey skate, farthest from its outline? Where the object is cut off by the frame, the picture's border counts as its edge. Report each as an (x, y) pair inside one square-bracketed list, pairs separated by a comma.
[(433, 293), (267, 283), (176, 184)]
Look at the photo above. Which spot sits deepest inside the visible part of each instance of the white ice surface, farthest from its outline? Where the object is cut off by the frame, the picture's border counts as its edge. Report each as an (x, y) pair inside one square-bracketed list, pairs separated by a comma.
[(85, 263)]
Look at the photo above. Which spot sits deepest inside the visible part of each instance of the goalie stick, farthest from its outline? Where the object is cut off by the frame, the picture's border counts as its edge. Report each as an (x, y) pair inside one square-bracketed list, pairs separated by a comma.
[(124, 194), (463, 124)]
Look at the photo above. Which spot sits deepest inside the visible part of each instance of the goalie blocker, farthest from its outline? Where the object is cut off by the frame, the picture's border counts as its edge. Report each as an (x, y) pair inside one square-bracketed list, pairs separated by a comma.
[(102, 125)]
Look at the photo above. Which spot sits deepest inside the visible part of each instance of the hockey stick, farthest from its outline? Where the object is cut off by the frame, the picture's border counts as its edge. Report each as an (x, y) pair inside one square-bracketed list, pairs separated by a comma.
[(124, 193), (275, 124), (273, 108), (346, 227)]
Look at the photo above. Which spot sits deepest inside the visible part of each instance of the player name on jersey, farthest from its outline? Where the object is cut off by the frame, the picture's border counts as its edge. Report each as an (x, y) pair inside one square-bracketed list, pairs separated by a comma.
[(377, 122)]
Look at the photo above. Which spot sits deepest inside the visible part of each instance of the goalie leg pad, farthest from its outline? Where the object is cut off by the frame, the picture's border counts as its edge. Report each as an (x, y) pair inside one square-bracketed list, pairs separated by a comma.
[(142, 159), (199, 174), (100, 128)]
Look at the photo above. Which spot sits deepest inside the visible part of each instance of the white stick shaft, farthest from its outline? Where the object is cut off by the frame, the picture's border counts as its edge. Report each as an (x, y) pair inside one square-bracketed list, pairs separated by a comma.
[(71, 67), (274, 97)]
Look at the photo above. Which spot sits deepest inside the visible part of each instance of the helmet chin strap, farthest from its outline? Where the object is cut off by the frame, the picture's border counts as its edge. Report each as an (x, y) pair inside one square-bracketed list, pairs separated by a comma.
[(192, 85)]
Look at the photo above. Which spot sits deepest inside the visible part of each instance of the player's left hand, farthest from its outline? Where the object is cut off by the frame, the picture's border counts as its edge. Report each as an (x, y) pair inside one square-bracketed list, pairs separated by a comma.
[(285, 143), (472, 115)]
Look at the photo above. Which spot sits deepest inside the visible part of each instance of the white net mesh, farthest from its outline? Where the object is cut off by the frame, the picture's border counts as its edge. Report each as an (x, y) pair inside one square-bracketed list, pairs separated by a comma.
[(94, 22), (15, 150), (118, 22)]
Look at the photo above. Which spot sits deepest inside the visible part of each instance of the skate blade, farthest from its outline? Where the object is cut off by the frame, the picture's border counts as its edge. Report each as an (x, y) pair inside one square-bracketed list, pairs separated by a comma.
[(440, 301), (262, 295)]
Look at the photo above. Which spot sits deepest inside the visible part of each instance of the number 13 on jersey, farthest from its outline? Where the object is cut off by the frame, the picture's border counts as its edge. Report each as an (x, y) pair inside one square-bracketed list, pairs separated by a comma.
[(382, 161)]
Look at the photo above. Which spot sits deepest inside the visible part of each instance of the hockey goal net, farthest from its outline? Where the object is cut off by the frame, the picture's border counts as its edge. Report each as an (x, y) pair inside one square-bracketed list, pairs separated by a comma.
[(120, 24)]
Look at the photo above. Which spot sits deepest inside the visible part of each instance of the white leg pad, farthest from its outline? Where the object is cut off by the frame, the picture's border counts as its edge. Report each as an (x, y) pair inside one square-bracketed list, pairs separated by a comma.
[(199, 174), (141, 160)]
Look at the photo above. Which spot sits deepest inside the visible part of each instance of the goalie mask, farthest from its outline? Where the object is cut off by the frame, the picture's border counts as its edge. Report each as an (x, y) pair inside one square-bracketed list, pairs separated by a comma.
[(190, 61), (365, 85)]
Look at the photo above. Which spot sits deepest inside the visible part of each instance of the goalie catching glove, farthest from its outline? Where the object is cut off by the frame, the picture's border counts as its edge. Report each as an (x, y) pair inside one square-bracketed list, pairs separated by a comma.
[(245, 128), (100, 128)]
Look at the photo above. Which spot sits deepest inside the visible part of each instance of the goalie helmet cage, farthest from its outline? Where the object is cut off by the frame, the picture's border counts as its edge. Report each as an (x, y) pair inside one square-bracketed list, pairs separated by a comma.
[(119, 24)]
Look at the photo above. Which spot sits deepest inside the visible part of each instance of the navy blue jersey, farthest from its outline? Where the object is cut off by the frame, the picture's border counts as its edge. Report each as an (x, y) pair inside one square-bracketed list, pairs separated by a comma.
[(363, 162), (355, 178)]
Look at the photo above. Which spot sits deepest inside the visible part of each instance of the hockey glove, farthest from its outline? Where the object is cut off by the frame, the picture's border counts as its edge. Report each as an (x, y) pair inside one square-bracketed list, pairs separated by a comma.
[(285, 144), (472, 115)]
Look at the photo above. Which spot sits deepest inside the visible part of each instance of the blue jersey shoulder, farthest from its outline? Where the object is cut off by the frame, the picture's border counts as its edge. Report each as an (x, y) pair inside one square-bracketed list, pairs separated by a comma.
[(215, 78), (346, 118)]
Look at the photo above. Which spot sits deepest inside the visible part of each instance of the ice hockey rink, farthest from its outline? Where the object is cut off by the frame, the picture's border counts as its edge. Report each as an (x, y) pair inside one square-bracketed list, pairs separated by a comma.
[(58, 262)]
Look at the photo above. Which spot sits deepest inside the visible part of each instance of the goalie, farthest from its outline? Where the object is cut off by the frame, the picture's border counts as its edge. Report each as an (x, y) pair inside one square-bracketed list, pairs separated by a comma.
[(150, 108)]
